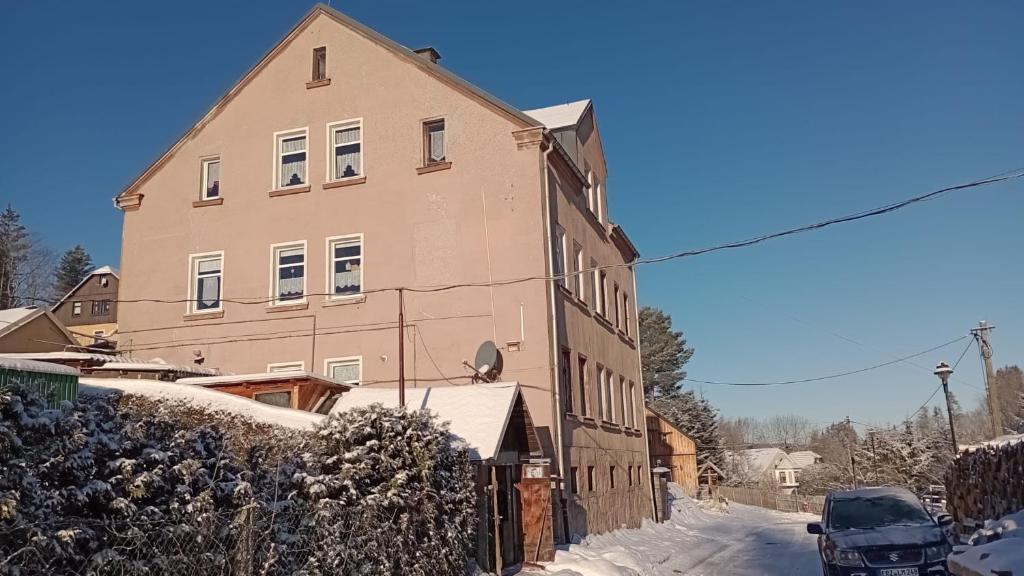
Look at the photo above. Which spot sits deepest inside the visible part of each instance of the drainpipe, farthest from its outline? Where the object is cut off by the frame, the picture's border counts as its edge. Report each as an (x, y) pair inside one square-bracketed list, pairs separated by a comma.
[(555, 353), (643, 396)]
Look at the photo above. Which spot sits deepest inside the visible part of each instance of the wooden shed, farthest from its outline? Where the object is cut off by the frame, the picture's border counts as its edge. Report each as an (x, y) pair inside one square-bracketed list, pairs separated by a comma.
[(297, 390), (672, 449)]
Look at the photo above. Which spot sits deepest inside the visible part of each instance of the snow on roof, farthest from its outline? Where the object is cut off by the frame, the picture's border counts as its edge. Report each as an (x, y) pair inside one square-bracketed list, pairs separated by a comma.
[(804, 458), (157, 366), (477, 413), (24, 365), (198, 396), (257, 377), (999, 442), (13, 315), (103, 270), (96, 272), (893, 491), (560, 115), (65, 356)]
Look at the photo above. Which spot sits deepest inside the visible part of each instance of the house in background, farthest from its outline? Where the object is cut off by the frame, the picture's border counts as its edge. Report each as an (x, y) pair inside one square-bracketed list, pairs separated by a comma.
[(670, 448), (89, 310), (272, 235), (765, 467), (33, 329), (804, 458)]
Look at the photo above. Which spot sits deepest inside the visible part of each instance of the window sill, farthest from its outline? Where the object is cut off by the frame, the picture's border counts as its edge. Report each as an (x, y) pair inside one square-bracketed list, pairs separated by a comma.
[(604, 321), (610, 426), (581, 304), (288, 307), (193, 316), (318, 83), (345, 300), (563, 289), (208, 202), (588, 420), (433, 167), (346, 182), (289, 191), (627, 339)]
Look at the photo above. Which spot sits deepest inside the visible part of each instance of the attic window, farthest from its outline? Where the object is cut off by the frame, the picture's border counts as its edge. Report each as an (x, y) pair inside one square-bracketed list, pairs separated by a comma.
[(104, 281), (433, 142), (320, 63)]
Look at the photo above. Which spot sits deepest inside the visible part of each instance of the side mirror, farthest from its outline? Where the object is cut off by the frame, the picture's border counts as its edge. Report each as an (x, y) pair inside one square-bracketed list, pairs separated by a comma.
[(815, 528), (944, 519)]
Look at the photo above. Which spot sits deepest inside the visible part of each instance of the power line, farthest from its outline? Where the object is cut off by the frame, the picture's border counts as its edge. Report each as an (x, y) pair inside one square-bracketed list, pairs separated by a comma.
[(262, 300), (830, 376)]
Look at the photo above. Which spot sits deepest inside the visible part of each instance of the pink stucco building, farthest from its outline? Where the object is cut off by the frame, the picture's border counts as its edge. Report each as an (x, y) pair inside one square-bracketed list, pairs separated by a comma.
[(273, 234)]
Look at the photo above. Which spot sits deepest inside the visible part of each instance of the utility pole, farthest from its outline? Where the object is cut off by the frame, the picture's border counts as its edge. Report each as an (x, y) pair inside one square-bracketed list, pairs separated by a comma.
[(981, 334), (874, 456), (849, 449), (943, 371), (401, 349)]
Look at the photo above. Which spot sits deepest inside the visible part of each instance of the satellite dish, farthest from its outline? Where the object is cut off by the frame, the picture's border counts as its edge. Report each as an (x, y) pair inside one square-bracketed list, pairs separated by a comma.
[(488, 361)]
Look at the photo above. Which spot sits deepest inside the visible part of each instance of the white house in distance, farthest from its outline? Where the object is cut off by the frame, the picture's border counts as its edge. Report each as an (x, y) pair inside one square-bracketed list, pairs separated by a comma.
[(804, 458), (767, 465)]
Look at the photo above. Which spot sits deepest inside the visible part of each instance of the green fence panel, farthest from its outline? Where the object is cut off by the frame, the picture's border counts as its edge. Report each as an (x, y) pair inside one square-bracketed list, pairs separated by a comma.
[(54, 388)]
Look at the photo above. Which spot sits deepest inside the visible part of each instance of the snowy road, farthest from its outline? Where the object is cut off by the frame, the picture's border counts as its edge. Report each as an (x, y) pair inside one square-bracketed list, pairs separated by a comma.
[(746, 541)]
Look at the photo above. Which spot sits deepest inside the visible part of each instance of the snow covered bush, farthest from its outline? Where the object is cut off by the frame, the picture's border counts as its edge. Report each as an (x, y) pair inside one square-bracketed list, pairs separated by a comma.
[(100, 488)]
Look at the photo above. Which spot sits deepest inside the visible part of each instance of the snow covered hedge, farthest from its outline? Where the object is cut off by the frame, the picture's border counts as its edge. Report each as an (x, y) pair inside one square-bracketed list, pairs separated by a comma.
[(106, 489)]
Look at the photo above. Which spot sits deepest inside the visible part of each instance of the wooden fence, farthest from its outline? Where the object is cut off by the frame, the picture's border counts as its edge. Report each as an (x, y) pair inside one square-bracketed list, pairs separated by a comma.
[(773, 500), (985, 483)]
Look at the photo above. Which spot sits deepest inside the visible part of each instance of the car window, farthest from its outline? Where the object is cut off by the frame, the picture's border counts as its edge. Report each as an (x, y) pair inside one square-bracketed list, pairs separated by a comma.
[(875, 512)]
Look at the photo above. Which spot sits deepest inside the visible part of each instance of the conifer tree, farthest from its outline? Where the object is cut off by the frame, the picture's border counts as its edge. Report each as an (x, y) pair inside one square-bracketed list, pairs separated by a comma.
[(74, 266)]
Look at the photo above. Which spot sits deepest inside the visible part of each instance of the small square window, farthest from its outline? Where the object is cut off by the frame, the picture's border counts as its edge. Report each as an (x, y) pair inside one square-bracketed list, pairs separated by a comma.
[(345, 370), (205, 286), (104, 281), (289, 273), (434, 142), (211, 179), (320, 63), (76, 308), (346, 150), (290, 151)]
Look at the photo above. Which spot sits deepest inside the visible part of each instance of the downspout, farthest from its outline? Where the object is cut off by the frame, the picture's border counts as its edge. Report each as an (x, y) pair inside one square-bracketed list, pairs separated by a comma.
[(643, 396), (556, 415)]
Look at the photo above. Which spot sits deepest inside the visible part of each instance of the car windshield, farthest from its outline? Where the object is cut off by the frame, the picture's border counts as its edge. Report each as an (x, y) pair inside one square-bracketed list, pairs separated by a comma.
[(875, 512)]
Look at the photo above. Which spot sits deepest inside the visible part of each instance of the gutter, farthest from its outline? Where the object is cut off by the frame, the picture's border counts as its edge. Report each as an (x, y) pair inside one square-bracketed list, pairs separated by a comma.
[(643, 396)]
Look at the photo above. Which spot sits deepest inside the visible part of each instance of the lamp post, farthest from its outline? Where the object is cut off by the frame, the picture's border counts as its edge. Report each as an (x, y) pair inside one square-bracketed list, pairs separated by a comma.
[(943, 371)]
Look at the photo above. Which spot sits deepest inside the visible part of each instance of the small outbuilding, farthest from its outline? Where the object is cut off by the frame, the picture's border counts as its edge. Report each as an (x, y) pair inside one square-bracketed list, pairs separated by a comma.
[(670, 448), (52, 382), (33, 329), (297, 390)]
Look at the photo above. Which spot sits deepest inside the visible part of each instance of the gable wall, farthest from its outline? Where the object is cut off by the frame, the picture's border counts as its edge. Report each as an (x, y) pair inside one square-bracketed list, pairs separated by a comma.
[(90, 290)]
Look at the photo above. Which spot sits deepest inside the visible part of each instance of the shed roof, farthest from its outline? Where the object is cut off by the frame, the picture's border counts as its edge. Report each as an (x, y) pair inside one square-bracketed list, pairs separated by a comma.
[(804, 458), (560, 115), (13, 318), (36, 366), (259, 377), (478, 413)]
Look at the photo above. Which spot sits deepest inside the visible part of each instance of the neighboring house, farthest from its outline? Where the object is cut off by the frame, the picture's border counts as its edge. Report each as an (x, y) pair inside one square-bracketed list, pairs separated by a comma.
[(89, 310), (670, 448), (342, 166), (766, 466), (804, 458), (32, 329)]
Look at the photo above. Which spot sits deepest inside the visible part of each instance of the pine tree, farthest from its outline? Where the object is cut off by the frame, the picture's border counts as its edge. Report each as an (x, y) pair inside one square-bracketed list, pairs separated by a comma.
[(697, 418), (74, 266), (663, 353), (13, 244)]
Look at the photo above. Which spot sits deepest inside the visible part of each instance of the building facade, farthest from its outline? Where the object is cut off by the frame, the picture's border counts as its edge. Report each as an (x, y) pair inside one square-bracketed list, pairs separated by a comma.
[(275, 234), (89, 310)]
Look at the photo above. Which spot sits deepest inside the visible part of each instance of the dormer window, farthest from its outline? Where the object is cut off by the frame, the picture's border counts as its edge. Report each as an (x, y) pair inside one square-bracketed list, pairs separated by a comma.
[(319, 64)]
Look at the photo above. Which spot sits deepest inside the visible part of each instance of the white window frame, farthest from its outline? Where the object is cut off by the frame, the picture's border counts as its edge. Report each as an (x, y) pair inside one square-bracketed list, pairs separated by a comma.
[(633, 421), (329, 280), (577, 264), (358, 360), (558, 256), (300, 366), (193, 277), (204, 176), (600, 393), (76, 308), (618, 305), (624, 412), (599, 200), (278, 157), (595, 285), (274, 292), (590, 188), (331, 147)]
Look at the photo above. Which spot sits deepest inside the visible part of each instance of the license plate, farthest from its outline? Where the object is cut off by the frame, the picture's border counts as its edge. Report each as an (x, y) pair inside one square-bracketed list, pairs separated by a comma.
[(898, 572)]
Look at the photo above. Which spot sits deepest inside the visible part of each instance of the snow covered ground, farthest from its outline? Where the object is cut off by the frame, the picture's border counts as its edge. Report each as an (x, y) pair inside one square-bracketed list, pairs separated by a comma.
[(698, 542)]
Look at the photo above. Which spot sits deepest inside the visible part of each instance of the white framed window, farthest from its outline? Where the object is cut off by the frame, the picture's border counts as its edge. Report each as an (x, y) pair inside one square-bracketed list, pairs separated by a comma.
[(558, 255), (344, 266), (345, 370), (276, 367), (634, 421), (345, 152), (616, 303), (434, 142), (626, 318), (595, 285), (599, 201), (623, 404), (609, 382), (577, 270), (76, 308), (590, 187), (210, 177), (206, 282), (290, 155), (600, 397), (288, 285), (319, 63)]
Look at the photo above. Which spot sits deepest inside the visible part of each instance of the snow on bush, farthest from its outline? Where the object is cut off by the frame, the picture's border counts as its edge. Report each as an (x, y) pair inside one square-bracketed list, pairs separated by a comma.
[(109, 488)]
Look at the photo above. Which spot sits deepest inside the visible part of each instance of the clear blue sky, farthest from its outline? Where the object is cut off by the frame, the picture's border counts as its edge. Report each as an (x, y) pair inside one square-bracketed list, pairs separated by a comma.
[(721, 120)]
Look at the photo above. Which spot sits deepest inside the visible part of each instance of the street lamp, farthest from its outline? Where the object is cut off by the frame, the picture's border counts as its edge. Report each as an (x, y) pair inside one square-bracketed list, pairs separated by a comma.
[(943, 371)]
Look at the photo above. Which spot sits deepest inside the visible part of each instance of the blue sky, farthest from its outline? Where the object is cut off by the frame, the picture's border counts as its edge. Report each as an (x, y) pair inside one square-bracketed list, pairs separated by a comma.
[(721, 120)]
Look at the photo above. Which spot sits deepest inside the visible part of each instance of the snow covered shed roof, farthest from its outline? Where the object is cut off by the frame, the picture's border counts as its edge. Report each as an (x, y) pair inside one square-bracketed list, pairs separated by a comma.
[(24, 365), (16, 315), (479, 414), (804, 458), (560, 115), (64, 357), (154, 366), (259, 377), (200, 397)]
